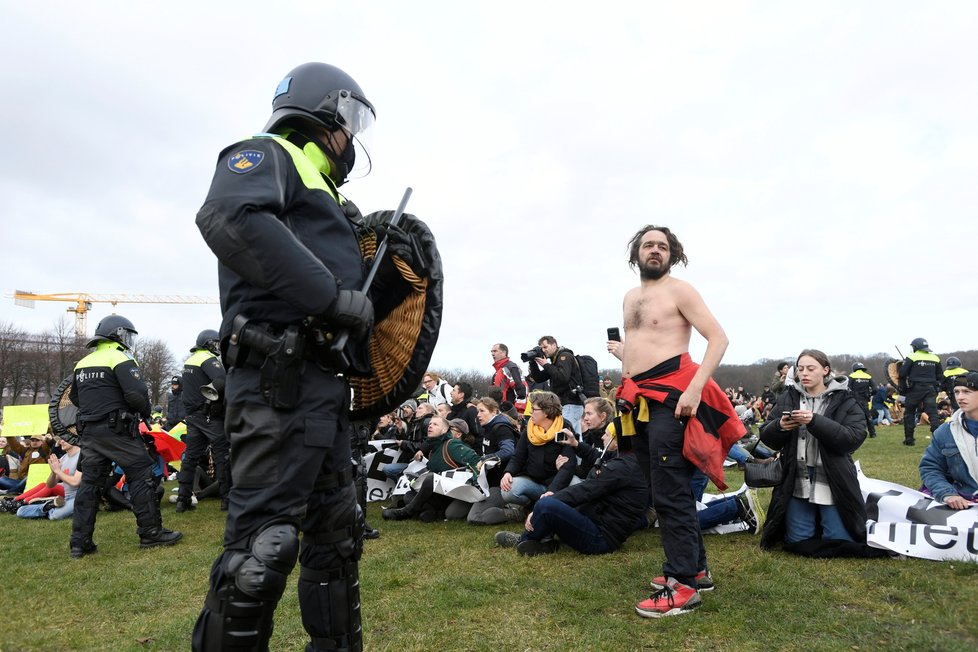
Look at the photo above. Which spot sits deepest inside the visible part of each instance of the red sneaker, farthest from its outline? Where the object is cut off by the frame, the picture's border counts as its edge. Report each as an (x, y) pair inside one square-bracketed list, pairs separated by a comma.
[(704, 581), (671, 600)]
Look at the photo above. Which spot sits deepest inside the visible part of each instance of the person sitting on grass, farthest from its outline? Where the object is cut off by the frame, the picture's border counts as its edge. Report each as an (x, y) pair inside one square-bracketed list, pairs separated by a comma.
[(817, 424), (447, 452), (949, 467), (35, 452), (594, 517), (499, 435), (62, 484), (532, 470)]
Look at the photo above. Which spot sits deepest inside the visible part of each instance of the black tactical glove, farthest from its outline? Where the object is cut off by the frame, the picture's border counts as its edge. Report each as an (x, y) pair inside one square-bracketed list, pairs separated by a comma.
[(400, 243), (353, 310)]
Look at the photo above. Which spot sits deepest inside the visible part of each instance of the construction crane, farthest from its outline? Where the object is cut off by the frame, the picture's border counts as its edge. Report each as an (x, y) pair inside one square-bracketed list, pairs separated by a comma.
[(83, 302)]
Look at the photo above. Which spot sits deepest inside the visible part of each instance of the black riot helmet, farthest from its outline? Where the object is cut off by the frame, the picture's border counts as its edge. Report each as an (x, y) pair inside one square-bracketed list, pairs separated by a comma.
[(320, 95), (208, 339), (920, 344), (858, 366), (115, 328), (953, 362)]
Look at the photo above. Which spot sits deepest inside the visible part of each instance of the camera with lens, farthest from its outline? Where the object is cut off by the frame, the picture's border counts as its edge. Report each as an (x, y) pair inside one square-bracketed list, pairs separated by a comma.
[(535, 352)]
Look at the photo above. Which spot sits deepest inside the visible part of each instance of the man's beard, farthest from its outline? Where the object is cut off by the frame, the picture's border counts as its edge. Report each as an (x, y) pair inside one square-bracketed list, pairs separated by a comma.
[(648, 273)]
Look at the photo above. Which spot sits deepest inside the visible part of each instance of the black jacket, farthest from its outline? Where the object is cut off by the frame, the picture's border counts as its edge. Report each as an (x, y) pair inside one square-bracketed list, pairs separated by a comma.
[(284, 249), (615, 497), (107, 381), (840, 431), (564, 375), (175, 412), (540, 463)]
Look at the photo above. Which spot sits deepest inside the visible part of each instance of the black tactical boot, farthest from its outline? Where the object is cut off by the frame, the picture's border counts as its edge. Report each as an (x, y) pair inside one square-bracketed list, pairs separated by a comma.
[(159, 537)]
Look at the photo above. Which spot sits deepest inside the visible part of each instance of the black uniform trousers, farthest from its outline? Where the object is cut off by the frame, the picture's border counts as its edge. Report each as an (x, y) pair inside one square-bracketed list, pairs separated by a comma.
[(101, 446), (672, 495), (202, 432), (294, 466), (921, 398), (870, 417)]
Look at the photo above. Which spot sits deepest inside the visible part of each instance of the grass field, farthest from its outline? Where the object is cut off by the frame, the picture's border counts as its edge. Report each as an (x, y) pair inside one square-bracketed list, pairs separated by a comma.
[(445, 586)]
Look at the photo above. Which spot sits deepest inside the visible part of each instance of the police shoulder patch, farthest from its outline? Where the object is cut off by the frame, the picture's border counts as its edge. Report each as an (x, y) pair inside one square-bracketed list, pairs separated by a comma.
[(245, 161), (563, 357), (135, 373)]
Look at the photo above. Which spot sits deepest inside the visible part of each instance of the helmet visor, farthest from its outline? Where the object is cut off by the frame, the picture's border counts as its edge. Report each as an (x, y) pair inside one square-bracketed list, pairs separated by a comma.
[(356, 116), (125, 337)]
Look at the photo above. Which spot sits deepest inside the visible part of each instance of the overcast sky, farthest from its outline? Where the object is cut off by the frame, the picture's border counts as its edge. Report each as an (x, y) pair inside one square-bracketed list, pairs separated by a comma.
[(818, 160)]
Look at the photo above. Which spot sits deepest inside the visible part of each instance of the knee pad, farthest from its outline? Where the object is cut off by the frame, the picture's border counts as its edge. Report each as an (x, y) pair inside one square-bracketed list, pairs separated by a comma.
[(262, 572)]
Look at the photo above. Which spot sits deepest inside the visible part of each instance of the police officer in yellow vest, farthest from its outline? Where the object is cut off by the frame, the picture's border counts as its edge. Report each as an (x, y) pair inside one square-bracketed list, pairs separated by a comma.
[(951, 372), (205, 419), (290, 262), (920, 376), (862, 386), (111, 398)]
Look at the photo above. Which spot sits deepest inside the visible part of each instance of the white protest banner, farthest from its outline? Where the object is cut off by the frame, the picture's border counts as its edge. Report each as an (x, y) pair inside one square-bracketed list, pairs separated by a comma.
[(456, 484), (414, 470), (383, 452), (911, 523)]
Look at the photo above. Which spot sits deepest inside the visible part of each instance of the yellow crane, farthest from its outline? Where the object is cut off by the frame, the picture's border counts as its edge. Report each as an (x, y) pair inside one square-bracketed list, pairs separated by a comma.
[(83, 302)]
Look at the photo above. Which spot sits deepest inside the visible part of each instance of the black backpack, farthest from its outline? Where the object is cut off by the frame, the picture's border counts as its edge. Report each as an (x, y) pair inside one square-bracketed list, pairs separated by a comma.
[(590, 381)]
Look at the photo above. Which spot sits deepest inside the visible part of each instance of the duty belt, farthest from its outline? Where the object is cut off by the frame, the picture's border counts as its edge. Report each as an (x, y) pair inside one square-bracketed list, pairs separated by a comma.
[(280, 353)]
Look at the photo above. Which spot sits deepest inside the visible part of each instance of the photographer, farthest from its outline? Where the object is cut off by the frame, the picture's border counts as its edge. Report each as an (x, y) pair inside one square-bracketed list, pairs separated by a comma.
[(548, 361), (532, 470)]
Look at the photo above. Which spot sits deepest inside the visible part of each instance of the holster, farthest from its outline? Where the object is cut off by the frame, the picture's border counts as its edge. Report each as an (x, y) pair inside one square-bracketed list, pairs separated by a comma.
[(279, 356)]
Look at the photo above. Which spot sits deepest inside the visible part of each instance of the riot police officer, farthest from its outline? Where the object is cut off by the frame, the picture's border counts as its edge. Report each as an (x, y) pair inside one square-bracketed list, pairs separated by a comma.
[(951, 373), (111, 397), (290, 269), (920, 375), (205, 419), (862, 386)]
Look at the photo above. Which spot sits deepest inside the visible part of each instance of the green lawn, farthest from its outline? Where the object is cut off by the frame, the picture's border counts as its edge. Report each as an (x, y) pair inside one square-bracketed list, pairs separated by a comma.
[(445, 586)]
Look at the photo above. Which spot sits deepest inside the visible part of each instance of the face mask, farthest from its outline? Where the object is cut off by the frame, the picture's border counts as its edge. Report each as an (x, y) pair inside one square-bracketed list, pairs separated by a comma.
[(345, 162)]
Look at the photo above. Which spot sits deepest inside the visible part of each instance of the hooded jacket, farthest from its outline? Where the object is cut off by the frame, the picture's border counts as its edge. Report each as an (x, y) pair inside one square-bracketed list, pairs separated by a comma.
[(840, 429)]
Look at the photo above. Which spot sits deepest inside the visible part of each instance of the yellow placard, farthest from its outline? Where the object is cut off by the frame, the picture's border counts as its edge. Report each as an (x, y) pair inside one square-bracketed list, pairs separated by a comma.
[(25, 420)]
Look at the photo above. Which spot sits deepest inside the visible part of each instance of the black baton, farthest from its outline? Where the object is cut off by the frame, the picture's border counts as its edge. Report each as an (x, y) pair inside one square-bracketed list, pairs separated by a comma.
[(337, 348)]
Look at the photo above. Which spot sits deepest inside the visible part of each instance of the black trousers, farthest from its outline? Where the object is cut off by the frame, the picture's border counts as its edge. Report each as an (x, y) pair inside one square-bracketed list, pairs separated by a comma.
[(919, 399), (201, 433), (101, 446), (672, 496), (294, 466), (870, 416)]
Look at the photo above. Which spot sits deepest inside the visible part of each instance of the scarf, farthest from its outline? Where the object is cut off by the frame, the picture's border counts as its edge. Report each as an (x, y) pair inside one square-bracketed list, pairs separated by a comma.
[(539, 436), (966, 442)]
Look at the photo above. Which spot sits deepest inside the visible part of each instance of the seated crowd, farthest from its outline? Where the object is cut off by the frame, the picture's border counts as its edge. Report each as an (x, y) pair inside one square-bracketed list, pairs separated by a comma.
[(580, 484)]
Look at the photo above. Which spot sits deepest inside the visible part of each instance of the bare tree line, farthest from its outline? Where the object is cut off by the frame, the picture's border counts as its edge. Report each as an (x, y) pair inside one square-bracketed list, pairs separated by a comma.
[(32, 365)]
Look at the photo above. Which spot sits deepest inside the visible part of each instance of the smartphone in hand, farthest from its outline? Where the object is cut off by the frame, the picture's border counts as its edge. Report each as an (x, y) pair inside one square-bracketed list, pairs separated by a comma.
[(614, 335)]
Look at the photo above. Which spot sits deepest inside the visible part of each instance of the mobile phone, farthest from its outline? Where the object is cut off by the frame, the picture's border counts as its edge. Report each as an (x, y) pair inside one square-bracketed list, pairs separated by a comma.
[(614, 335), (561, 437), (786, 413)]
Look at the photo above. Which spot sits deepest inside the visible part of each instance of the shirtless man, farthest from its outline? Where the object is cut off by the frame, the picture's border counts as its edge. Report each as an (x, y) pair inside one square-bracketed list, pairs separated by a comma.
[(659, 317)]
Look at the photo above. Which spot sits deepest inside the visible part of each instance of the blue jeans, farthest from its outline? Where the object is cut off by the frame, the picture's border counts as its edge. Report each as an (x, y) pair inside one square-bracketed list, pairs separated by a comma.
[(572, 416), (12, 485), (394, 470), (36, 510), (552, 517), (800, 522), (717, 512), (524, 490)]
